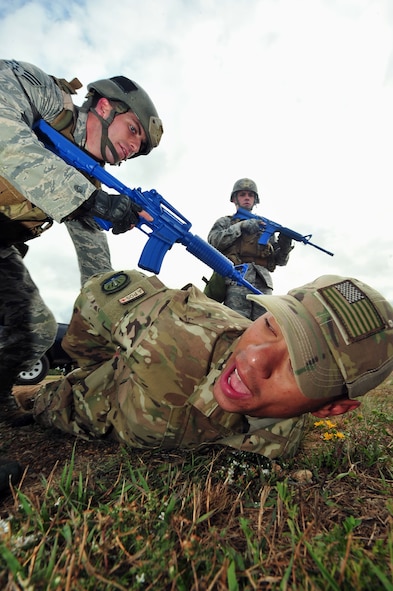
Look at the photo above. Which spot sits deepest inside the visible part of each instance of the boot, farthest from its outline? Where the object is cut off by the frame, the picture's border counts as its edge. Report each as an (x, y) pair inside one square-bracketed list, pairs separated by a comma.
[(10, 472)]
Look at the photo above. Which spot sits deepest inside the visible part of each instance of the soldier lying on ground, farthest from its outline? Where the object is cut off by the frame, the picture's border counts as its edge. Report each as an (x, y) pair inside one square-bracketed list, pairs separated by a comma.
[(171, 368)]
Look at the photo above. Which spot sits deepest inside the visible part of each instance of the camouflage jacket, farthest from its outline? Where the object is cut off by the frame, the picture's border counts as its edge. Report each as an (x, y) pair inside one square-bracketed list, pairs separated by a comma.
[(148, 358), (28, 169), (227, 237)]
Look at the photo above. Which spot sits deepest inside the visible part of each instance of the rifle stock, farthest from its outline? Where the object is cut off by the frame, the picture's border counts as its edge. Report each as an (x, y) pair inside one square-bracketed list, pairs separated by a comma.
[(168, 225)]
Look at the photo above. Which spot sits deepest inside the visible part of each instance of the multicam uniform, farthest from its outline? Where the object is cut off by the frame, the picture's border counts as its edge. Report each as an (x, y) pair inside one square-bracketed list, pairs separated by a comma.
[(157, 353), (226, 235), (36, 188)]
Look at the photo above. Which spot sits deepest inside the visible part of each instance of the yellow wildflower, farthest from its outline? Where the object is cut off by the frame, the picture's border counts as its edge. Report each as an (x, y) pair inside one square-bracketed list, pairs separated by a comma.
[(330, 424), (319, 423), (327, 436)]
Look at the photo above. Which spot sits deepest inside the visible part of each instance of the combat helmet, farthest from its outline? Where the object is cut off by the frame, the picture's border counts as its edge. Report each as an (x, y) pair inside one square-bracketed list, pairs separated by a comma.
[(245, 185), (128, 95)]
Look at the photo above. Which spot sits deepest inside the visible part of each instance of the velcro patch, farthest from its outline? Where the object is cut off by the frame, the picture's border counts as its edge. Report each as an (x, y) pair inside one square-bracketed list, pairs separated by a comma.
[(356, 312), (134, 295), (115, 283)]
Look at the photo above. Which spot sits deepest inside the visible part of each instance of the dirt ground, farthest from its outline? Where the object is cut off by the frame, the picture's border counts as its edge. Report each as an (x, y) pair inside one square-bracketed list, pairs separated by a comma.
[(42, 452)]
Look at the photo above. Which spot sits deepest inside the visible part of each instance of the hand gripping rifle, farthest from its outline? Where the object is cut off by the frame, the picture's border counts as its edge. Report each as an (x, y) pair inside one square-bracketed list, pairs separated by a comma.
[(270, 227), (168, 225)]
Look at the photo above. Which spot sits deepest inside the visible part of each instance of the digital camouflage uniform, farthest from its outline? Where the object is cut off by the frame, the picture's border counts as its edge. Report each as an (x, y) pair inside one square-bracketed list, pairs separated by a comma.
[(52, 190), (226, 235), (148, 357), (91, 246)]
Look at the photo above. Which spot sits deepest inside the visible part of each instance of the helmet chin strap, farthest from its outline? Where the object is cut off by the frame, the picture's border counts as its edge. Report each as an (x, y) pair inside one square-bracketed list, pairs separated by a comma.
[(105, 141)]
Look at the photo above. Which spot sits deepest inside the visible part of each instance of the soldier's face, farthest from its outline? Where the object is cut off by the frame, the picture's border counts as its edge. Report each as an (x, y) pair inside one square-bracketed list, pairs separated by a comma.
[(127, 136), (125, 132), (258, 379), (245, 199)]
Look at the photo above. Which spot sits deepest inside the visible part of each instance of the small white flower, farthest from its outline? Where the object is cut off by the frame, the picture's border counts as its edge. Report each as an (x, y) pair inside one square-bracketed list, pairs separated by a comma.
[(4, 526)]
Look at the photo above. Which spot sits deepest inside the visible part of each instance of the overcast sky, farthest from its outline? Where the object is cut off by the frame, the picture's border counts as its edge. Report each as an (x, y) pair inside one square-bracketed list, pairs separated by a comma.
[(295, 94)]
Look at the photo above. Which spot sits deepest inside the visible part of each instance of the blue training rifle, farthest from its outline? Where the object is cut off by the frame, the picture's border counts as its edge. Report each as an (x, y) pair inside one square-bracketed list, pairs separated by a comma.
[(168, 225), (270, 227)]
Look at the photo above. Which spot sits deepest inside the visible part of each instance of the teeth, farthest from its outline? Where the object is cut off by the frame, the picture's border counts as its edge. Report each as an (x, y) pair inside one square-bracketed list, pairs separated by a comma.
[(237, 384), (236, 374)]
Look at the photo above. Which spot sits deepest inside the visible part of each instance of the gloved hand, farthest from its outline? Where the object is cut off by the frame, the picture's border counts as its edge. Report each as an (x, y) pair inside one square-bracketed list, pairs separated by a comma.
[(252, 226), (117, 209), (284, 243)]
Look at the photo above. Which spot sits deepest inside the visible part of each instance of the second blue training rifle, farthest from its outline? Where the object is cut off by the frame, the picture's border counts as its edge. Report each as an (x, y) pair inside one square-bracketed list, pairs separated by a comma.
[(268, 228), (168, 225)]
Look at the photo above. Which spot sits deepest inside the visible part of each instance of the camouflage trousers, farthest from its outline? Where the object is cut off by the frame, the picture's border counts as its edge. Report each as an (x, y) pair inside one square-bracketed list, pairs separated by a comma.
[(235, 297), (27, 327)]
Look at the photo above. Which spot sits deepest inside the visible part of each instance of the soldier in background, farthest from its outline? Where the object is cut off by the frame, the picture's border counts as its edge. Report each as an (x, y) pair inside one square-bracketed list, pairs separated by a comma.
[(117, 121), (170, 368), (238, 240)]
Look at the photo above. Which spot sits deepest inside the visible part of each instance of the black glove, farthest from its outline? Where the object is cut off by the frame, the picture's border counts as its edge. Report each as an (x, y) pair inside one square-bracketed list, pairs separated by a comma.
[(285, 243), (117, 209)]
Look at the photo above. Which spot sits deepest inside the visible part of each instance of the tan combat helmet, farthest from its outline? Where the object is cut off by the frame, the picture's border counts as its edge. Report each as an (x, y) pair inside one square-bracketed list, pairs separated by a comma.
[(128, 95), (245, 185)]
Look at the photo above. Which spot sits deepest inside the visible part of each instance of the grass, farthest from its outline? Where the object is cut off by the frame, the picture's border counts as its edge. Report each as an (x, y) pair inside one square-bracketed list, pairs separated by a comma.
[(215, 520)]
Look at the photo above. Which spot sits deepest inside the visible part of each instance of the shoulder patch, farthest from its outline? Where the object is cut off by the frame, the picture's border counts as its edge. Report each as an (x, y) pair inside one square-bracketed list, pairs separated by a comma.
[(115, 283)]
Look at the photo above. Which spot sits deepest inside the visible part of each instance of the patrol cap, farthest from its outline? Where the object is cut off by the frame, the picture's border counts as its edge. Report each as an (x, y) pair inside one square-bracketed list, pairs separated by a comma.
[(339, 333), (245, 185)]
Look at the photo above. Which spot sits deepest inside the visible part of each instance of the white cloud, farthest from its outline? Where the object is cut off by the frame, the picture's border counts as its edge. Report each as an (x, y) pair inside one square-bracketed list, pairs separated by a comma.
[(296, 95)]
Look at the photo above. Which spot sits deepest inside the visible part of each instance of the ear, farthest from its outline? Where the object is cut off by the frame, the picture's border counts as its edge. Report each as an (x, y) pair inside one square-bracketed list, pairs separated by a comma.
[(336, 408), (103, 107)]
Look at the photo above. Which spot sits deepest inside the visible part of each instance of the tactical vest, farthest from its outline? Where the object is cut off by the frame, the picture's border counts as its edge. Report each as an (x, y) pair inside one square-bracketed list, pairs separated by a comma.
[(246, 249), (21, 220)]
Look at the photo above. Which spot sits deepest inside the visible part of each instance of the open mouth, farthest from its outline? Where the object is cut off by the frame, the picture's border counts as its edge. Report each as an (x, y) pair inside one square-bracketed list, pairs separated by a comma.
[(233, 386)]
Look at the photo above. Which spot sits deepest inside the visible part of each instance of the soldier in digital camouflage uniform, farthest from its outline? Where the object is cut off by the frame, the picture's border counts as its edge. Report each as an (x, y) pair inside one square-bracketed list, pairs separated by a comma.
[(170, 368), (238, 240), (118, 121)]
